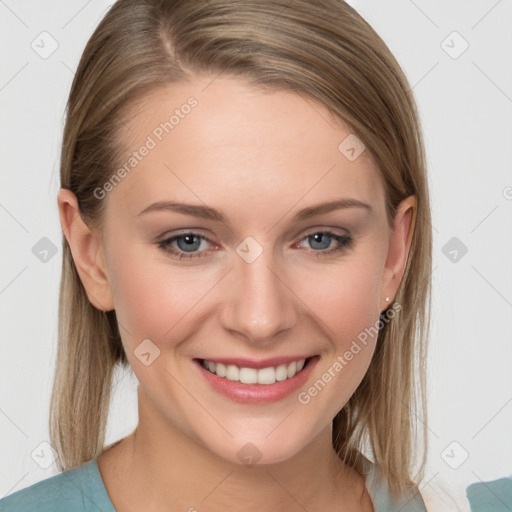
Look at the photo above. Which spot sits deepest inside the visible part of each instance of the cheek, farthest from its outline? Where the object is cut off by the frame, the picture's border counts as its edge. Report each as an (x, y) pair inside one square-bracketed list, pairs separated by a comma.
[(152, 298), (345, 303), (345, 298)]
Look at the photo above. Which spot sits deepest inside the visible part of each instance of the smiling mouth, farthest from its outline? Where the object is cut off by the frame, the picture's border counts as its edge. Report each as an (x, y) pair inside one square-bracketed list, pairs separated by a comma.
[(266, 376)]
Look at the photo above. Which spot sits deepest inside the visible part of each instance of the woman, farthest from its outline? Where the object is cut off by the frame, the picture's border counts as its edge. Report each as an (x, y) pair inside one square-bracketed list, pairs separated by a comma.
[(246, 225)]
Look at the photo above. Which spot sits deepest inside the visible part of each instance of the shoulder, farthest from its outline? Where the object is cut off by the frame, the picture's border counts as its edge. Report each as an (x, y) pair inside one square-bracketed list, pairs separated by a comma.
[(72, 490), (380, 497), (490, 495)]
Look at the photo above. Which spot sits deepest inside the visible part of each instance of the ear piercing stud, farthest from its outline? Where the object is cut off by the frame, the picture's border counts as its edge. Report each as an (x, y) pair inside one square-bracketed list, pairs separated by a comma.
[(387, 299)]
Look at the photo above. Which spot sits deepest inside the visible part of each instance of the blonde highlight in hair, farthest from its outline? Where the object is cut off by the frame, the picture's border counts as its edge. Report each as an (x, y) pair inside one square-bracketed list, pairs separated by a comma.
[(324, 51)]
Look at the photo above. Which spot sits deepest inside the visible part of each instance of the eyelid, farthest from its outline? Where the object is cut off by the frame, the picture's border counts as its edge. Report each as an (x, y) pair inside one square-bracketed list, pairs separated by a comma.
[(326, 229)]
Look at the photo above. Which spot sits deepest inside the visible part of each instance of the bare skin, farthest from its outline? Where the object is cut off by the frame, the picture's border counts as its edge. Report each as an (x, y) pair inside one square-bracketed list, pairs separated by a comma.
[(127, 486), (259, 158)]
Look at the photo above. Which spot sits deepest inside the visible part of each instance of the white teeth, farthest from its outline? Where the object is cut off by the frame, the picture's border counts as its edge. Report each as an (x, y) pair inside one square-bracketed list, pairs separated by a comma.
[(266, 376), (252, 375), (232, 372), (282, 372), (220, 370), (248, 375)]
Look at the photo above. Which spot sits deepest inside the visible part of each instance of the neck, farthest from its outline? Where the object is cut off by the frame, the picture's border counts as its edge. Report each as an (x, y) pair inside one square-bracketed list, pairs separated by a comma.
[(177, 472)]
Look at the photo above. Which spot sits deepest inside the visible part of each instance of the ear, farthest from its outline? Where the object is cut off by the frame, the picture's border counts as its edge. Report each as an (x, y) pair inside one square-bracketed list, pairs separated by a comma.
[(398, 251), (87, 251)]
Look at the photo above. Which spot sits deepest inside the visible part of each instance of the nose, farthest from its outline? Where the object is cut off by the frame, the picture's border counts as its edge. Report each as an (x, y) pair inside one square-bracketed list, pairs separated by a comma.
[(258, 303)]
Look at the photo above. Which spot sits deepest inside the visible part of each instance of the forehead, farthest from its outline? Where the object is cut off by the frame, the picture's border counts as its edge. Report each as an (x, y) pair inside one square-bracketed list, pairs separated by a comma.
[(221, 141)]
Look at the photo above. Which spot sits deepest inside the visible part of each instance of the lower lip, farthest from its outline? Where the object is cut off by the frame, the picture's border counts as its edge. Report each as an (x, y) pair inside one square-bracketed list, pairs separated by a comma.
[(257, 393)]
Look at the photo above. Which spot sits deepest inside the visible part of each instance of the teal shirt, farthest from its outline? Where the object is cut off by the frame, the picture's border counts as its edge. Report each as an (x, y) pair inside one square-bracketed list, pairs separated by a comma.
[(495, 495), (82, 489)]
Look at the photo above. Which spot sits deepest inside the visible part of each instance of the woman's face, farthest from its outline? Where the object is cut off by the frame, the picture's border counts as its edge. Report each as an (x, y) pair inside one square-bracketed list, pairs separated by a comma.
[(263, 282)]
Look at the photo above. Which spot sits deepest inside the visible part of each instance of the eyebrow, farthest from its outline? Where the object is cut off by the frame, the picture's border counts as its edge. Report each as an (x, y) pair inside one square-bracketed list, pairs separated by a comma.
[(205, 212)]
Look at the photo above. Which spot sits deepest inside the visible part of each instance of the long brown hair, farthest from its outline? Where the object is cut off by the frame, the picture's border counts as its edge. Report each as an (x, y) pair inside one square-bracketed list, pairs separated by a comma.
[(323, 50)]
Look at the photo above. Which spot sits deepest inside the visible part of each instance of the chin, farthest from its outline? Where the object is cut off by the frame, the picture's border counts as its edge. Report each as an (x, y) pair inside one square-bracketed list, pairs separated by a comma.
[(260, 449)]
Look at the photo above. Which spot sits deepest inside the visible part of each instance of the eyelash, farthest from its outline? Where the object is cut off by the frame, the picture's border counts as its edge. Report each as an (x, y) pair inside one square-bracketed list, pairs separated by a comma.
[(346, 242)]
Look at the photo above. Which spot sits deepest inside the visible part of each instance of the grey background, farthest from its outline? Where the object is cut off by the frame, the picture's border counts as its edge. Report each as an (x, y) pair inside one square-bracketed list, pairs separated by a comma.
[(465, 101)]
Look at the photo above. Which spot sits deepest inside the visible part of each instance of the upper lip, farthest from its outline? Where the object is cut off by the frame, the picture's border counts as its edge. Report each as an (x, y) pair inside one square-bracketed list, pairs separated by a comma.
[(263, 363)]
